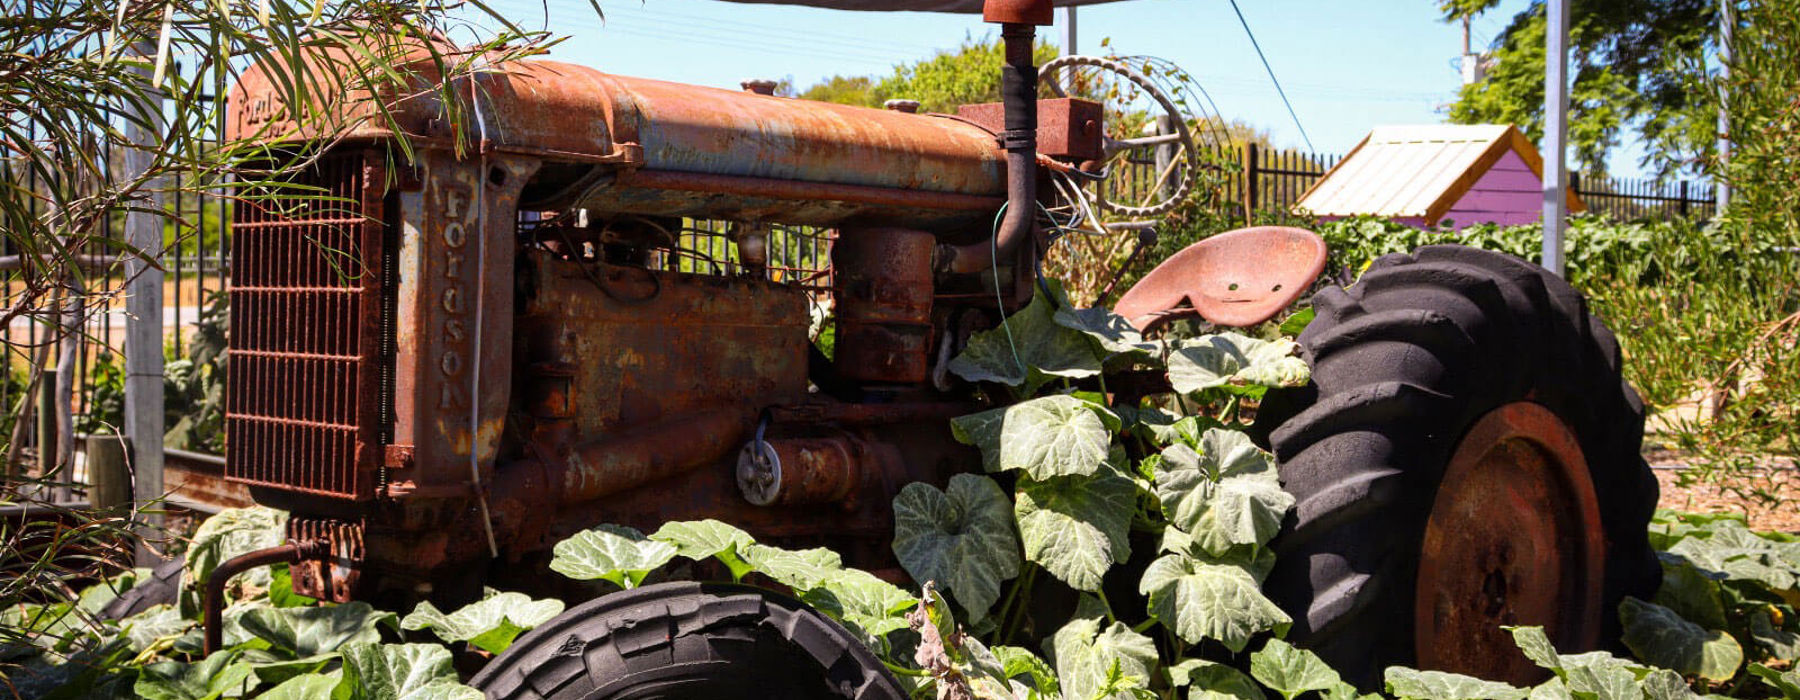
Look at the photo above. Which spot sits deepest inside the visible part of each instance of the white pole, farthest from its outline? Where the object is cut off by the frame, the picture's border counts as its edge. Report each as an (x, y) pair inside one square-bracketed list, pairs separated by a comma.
[(1556, 129), (144, 333), (1720, 187), (1068, 37)]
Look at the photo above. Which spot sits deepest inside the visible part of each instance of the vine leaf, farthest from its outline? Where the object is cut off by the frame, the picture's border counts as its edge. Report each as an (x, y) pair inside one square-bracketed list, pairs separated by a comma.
[(1076, 527), (403, 672), (1594, 675), (701, 539), (862, 601), (1227, 495), (799, 569), (613, 553), (1289, 670), (1086, 654), (490, 624), (210, 677), (1788, 682), (1206, 600), (308, 686), (1222, 359), (1109, 331), (1211, 680), (232, 532), (962, 538), (307, 632), (1412, 684), (1658, 636), (1047, 436), (1018, 661), (1031, 338)]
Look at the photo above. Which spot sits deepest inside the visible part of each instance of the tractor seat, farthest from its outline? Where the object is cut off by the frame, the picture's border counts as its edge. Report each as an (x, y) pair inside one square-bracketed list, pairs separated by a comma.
[(1237, 278)]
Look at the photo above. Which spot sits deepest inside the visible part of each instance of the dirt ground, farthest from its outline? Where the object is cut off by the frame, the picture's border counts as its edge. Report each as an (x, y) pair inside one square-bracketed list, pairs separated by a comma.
[(1768, 495)]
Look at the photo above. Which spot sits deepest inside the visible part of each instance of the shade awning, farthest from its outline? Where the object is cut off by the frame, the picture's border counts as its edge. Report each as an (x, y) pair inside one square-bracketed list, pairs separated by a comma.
[(905, 5)]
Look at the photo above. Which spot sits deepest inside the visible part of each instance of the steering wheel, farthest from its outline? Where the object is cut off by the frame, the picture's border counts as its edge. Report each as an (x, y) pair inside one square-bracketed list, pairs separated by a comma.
[(1112, 148)]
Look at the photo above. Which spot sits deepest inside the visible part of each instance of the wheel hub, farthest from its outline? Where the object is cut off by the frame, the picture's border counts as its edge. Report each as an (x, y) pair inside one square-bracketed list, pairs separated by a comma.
[(1514, 538)]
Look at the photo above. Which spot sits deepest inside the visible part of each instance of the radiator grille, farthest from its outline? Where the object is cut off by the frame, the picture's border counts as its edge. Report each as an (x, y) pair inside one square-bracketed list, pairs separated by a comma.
[(306, 299)]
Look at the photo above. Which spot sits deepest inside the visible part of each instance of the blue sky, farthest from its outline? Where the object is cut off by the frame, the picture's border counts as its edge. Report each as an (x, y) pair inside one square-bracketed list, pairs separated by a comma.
[(1347, 66)]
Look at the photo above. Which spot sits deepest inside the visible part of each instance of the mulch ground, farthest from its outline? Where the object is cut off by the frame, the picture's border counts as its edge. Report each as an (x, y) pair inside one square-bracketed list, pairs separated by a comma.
[(1768, 495)]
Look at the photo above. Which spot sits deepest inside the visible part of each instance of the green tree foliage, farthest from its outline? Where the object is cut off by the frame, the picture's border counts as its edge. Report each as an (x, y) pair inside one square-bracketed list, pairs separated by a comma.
[(1633, 62), (1763, 120), (968, 75)]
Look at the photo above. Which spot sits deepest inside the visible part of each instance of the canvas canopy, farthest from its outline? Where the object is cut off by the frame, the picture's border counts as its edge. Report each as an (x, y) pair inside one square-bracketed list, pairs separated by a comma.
[(906, 5)]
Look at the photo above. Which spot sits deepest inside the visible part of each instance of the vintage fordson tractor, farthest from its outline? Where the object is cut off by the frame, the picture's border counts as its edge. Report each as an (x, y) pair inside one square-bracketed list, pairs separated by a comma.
[(465, 356)]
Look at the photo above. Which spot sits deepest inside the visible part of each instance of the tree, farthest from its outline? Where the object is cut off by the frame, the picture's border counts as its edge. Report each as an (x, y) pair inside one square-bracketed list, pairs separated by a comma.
[(968, 75), (1634, 62)]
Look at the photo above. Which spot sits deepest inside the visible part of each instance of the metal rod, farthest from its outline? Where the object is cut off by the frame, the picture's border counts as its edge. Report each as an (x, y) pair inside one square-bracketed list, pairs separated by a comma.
[(1556, 130), (214, 603)]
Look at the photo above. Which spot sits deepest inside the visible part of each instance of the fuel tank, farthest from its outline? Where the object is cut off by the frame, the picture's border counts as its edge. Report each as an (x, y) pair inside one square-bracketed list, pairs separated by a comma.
[(616, 144)]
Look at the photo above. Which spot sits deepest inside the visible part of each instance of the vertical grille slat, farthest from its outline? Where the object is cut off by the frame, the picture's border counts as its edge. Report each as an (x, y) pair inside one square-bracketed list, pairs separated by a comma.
[(306, 281)]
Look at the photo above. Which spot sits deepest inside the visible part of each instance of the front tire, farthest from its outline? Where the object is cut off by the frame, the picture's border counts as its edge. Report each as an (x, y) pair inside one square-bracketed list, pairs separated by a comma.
[(1471, 460), (689, 640)]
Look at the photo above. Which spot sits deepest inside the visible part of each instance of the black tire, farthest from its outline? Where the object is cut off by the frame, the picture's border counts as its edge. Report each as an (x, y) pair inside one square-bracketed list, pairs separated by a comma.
[(689, 640), (162, 587), (1404, 363)]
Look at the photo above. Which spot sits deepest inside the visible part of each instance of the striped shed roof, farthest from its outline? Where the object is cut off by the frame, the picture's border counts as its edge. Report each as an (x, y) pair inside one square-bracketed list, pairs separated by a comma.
[(1417, 171)]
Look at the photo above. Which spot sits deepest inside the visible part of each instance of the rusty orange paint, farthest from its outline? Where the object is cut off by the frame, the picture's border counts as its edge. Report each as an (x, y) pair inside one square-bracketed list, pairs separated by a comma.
[(1236, 278)]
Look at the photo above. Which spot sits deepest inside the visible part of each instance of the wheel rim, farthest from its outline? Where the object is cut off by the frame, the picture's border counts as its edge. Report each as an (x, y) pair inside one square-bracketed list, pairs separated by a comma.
[(1514, 538)]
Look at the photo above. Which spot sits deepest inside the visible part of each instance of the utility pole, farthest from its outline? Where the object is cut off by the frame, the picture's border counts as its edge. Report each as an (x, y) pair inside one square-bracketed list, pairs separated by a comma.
[(1556, 131), (1471, 61), (1722, 188), (144, 327)]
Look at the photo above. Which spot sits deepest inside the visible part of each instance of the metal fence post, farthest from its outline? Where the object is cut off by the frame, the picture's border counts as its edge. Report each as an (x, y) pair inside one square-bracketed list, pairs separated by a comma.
[(1556, 131), (144, 333), (1250, 184)]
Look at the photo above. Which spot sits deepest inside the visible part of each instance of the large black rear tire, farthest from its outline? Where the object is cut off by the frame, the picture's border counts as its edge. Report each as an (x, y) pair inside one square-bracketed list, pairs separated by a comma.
[(689, 640), (1445, 383)]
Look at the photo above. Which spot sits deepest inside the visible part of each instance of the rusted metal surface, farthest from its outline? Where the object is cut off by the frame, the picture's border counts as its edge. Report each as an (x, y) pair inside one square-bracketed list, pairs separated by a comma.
[(1514, 538), (1067, 127), (1038, 12), (337, 573), (708, 195), (306, 291), (197, 482), (1236, 278), (796, 471), (883, 297), (214, 602)]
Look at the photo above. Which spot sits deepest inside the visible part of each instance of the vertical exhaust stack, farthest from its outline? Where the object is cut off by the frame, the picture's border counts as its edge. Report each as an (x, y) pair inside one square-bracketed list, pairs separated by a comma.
[(1018, 20)]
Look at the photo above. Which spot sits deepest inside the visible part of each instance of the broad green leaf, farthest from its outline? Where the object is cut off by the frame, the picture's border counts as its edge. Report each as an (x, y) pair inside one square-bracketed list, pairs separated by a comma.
[(1787, 682), (982, 430), (1537, 647), (1664, 684), (1027, 349), (1076, 527), (1213, 361), (1591, 676), (1732, 550), (159, 623), (1411, 684), (1055, 436), (305, 632), (1205, 600), (1660, 637), (961, 538), (490, 624), (1296, 324), (1085, 653), (1018, 661), (862, 601), (312, 686), (1229, 495), (1693, 594), (701, 539), (800, 569), (1111, 332), (1290, 670), (208, 678), (1208, 680), (1553, 689), (403, 672), (612, 553), (231, 532)]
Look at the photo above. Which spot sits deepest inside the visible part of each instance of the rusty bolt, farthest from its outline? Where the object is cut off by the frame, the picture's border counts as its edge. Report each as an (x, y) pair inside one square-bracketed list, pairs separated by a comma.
[(907, 106)]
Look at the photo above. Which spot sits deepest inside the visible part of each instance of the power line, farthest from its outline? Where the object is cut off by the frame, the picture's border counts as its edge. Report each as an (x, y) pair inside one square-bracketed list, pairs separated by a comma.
[(1272, 78)]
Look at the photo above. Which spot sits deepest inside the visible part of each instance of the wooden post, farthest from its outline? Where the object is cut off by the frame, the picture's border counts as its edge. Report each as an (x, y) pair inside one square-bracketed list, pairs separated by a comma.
[(1684, 199), (1165, 153), (143, 335), (1250, 184), (1556, 131)]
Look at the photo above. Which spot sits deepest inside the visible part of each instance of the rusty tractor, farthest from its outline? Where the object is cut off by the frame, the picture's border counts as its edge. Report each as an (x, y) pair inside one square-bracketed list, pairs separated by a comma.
[(485, 351)]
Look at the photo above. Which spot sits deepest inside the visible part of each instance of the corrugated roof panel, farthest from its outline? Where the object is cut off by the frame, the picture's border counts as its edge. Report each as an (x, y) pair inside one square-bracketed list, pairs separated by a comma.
[(1401, 171)]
